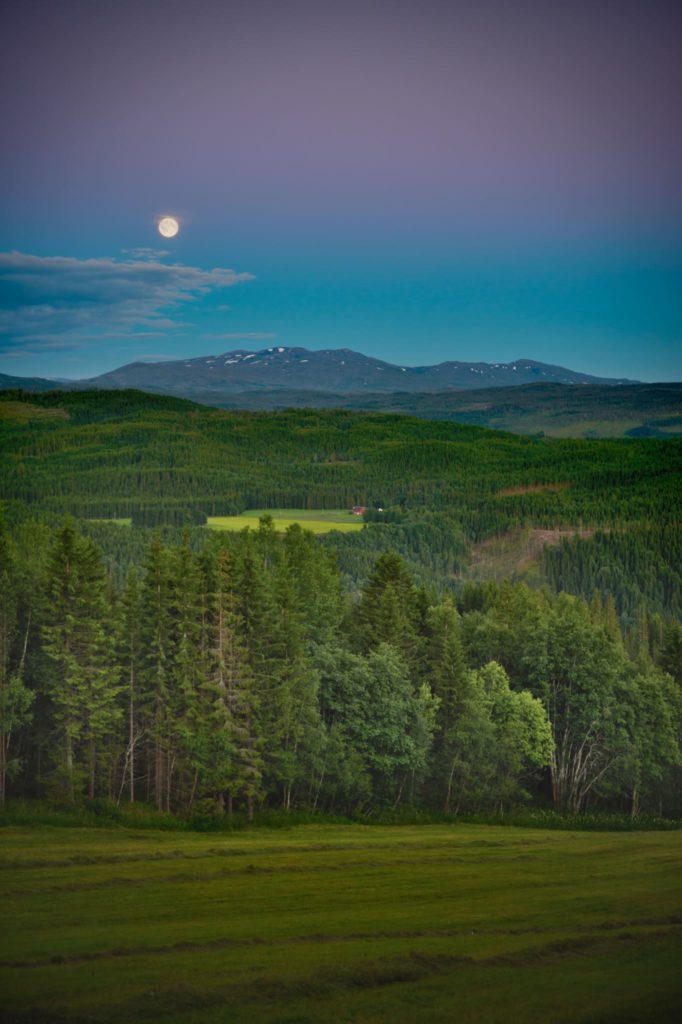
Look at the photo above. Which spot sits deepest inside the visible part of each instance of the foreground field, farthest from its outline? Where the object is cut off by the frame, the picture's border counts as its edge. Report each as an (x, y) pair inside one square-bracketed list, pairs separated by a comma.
[(318, 520), (430, 923)]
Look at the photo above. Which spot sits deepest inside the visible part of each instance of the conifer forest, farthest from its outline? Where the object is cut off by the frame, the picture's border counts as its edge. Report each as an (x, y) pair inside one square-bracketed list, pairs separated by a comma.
[(212, 673)]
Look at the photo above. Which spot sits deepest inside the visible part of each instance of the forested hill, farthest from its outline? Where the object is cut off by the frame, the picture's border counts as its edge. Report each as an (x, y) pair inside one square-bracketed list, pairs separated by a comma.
[(560, 407), (107, 454), (201, 669)]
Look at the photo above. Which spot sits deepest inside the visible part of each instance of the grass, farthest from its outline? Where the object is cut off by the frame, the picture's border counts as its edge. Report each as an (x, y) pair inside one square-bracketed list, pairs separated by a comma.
[(26, 412), (340, 923), (101, 813), (318, 520), (125, 521)]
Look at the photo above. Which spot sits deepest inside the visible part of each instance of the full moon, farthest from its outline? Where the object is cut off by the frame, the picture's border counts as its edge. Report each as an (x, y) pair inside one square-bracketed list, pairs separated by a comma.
[(168, 227)]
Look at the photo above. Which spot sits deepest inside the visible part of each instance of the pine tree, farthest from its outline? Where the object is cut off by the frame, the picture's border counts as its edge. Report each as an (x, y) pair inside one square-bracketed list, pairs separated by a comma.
[(389, 609), (130, 657), (156, 636), (288, 693), (80, 643), (446, 673), (670, 657), (233, 766), (15, 697), (188, 668)]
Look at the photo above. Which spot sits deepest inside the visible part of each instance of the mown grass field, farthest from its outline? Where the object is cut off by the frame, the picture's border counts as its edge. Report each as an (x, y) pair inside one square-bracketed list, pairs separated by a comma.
[(340, 923), (318, 520)]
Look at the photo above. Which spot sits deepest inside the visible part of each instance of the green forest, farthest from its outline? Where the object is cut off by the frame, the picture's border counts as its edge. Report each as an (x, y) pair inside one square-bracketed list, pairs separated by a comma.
[(204, 673)]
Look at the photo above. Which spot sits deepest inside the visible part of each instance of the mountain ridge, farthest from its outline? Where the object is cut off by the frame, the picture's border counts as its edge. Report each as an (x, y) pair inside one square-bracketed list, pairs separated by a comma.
[(533, 398), (339, 371)]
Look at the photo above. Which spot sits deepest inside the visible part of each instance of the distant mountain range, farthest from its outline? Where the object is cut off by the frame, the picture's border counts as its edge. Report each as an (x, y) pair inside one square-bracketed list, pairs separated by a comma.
[(336, 371), (30, 383), (523, 396)]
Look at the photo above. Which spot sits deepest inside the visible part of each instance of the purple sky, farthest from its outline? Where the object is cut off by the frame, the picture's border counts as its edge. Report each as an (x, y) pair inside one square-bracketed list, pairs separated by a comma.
[(471, 180)]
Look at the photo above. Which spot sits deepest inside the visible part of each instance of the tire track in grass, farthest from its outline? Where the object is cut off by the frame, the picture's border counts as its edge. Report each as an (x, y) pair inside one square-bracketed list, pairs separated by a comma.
[(117, 882), (85, 860), (410, 968), (671, 921)]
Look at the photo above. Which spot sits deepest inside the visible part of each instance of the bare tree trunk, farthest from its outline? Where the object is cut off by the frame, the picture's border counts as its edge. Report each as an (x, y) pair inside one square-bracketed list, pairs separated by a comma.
[(68, 765), (319, 787), (400, 791), (131, 735), (92, 764), (4, 746), (448, 795), (159, 781), (635, 802), (194, 789), (170, 765), (6, 736)]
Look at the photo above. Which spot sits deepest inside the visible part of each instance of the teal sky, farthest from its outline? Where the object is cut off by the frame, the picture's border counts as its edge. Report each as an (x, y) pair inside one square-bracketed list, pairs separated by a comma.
[(419, 182)]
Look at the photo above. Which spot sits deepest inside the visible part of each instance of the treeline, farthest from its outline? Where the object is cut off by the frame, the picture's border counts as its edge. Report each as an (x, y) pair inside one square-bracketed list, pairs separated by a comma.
[(126, 454), (167, 464), (239, 675)]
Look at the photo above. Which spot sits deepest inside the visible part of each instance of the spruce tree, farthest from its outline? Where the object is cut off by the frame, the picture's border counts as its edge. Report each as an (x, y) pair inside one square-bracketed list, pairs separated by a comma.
[(79, 641), (156, 637), (130, 657), (15, 697)]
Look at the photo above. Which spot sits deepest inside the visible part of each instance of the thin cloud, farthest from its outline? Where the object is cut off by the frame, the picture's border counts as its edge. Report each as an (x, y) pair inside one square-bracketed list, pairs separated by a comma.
[(145, 253), (60, 302)]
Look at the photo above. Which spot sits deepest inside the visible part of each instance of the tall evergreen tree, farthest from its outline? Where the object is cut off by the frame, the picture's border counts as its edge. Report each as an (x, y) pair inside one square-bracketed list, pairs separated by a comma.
[(79, 641), (15, 697), (446, 673), (389, 608), (156, 638), (130, 657)]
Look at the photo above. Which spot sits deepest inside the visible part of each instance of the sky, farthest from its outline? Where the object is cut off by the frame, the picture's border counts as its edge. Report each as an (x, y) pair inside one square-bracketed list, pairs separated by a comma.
[(418, 180)]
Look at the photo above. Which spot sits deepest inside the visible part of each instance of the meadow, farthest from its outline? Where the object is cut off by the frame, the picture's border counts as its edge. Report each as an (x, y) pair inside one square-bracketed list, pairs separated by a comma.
[(340, 923), (317, 520)]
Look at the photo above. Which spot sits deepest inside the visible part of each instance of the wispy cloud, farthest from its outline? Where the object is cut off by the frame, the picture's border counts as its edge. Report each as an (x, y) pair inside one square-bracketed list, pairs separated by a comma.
[(145, 253), (60, 302)]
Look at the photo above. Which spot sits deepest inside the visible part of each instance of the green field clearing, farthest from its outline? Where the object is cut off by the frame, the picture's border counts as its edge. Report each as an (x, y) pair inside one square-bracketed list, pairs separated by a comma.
[(25, 412), (126, 521), (340, 923), (318, 520)]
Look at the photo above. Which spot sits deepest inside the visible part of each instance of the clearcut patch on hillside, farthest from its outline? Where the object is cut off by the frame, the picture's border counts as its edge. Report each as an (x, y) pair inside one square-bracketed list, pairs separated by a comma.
[(516, 553)]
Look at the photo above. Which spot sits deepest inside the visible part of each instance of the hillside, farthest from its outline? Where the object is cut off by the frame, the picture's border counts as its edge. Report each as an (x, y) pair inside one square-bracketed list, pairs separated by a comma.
[(444, 486), (27, 383), (561, 410), (524, 396), (330, 638), (117, 450)]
